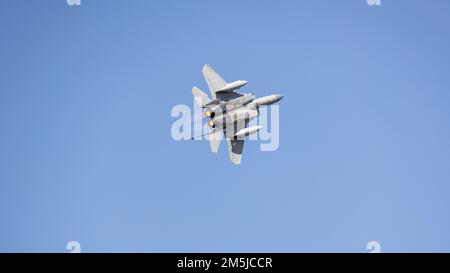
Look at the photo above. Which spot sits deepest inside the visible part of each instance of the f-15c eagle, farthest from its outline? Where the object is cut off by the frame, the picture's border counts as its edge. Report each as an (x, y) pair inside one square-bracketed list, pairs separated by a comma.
[(229, 111)]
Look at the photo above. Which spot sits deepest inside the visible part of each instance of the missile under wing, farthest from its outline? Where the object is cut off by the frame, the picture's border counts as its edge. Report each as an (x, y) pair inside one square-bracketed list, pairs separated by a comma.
[(218, 87)]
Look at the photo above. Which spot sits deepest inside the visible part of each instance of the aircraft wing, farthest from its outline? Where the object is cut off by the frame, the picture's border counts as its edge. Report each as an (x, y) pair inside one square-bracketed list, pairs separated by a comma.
[(235, 148), (213, 79), (236, 145), (216, 82)]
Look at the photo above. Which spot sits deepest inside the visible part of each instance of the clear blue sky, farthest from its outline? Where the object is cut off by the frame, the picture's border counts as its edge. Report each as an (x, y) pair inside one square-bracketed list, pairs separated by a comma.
[(86, 152)]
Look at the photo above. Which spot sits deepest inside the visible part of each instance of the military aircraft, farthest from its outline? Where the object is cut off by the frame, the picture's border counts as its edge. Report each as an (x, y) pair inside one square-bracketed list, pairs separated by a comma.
[(229, 112)]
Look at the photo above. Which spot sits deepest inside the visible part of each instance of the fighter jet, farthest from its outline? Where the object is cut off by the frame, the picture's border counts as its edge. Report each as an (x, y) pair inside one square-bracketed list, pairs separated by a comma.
[(229, 112)]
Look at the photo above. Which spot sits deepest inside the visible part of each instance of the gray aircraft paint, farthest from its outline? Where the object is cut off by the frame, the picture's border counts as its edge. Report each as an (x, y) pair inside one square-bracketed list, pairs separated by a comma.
[(229, 112)]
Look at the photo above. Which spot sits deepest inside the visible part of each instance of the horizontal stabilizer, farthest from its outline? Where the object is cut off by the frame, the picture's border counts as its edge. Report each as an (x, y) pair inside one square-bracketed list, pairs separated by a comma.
[(214, 141), (200, 97)]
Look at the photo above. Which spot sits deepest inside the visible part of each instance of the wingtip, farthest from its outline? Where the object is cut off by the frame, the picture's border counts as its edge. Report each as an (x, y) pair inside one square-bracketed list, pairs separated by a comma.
[(206, 66), (236, 162), (235, 159)]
